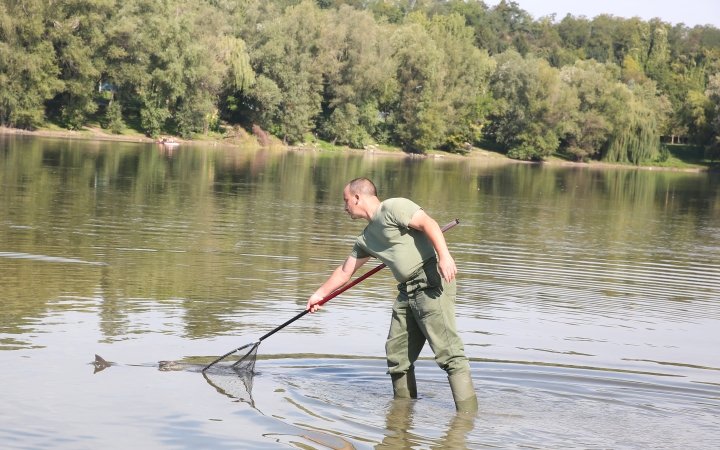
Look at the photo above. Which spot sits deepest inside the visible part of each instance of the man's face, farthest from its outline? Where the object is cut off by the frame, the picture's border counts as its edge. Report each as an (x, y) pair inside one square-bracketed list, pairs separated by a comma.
[(351, 203)]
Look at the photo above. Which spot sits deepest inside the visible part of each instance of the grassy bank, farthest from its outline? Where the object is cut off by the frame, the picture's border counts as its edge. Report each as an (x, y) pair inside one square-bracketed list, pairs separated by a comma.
[(96, 128), (687, 157), (681, 157)]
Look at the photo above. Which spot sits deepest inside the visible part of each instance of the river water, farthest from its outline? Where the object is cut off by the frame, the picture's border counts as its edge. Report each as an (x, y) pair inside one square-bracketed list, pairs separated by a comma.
[(589, 301)]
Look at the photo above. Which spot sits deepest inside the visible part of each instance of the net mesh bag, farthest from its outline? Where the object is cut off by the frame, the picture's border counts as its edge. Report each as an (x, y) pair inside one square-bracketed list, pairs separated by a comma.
[(246, 364)]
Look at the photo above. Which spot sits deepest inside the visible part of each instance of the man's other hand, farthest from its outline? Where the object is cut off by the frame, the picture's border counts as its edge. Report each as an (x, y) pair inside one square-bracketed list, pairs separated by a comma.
[(447, 268)]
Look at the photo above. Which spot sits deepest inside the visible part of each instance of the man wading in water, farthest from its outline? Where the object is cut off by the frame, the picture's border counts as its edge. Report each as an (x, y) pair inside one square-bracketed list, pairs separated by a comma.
[(410, 243)]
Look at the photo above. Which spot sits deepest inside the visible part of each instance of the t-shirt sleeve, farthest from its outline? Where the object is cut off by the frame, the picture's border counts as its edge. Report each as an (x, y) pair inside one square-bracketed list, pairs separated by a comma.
[(402, 211), (358, 253)]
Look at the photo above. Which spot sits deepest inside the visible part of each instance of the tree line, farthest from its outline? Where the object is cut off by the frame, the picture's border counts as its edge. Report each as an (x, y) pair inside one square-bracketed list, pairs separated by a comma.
[(420, 74)]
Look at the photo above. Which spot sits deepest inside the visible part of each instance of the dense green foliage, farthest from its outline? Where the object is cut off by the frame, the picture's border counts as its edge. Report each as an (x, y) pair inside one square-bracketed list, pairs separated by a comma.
[(421, 75)]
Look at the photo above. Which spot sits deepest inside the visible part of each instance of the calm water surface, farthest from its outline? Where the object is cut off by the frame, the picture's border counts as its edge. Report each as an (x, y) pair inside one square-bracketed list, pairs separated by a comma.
[(589, 301)]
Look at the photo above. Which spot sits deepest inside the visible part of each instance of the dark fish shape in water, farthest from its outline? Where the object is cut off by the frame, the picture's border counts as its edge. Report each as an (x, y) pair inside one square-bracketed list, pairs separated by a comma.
[(100, 364)]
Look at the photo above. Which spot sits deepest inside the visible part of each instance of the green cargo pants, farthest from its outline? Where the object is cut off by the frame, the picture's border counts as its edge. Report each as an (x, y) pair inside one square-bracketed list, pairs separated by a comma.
[(425, 310)]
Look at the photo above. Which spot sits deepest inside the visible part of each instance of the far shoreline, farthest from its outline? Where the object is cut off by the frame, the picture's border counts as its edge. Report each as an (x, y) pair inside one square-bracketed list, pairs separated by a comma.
[(475, 154)]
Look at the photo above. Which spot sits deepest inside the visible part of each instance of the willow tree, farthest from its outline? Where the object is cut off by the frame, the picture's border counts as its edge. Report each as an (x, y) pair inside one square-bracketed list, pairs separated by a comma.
[(712, 150), (636, 138), (601, 102)]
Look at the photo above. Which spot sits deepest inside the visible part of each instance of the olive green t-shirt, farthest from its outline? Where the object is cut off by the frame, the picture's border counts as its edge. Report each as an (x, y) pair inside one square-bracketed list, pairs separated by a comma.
[(389, 239)]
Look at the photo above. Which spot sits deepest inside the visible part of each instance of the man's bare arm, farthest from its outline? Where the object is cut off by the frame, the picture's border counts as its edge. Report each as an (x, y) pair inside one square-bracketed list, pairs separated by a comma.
[(339, 277), (421, 221)]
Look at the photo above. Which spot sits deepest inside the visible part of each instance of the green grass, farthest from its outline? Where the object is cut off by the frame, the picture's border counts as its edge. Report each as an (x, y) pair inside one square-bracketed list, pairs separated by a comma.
[(562, 156), (389, 148), (686, 157), (212, 136), (489, 145), (309, 142), (486, 153), (681, 157), (51, 126), (133, 126)]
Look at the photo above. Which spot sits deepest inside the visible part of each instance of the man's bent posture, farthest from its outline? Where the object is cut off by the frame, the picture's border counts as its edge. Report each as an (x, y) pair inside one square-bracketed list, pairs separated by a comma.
[(410, 243)]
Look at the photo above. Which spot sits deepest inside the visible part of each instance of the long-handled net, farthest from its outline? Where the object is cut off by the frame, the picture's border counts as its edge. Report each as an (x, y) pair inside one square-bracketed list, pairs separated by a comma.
[(246, 364)]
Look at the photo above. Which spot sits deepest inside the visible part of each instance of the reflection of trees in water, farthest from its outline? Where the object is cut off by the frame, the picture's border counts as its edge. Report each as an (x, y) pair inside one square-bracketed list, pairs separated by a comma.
[(611, 209), (176, 230)]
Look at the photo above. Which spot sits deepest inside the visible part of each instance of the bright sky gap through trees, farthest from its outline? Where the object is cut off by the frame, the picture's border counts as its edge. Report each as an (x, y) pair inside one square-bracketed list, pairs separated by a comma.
[(688, 12)]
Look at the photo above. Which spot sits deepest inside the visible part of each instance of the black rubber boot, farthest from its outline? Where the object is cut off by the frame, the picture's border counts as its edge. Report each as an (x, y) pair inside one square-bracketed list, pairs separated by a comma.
[(404, 384), (463, 392)]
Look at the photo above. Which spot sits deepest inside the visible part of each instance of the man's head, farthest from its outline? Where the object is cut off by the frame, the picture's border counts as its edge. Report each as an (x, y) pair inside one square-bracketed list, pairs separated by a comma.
[(360, 197), (362, 186)]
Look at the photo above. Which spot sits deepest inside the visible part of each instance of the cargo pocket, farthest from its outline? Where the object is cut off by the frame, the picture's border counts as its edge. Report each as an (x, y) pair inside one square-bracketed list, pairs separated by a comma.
[(428, 305)]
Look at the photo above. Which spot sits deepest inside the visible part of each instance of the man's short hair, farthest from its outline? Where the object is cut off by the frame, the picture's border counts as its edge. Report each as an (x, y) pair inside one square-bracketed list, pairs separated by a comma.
[(362, 186)]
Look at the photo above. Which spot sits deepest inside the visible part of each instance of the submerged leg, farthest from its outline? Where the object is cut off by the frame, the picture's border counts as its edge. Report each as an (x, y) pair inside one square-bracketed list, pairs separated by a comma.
[(404, 384), (463, 392)]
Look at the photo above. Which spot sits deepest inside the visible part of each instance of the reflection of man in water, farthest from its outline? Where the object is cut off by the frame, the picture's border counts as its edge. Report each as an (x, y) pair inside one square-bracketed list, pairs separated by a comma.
[(404, 237), (400, 424)]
